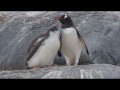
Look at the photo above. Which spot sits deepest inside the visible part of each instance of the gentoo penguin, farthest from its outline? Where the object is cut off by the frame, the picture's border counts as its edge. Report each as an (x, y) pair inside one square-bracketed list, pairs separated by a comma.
[(71, 41), (43, 49)]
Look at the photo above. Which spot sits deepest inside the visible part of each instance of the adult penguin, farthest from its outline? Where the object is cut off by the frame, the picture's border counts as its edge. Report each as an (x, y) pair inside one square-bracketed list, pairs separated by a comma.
[(71, 41)]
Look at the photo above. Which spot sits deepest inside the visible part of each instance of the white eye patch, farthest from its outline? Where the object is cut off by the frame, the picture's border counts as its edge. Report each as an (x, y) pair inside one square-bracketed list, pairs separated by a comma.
[(65, 16)]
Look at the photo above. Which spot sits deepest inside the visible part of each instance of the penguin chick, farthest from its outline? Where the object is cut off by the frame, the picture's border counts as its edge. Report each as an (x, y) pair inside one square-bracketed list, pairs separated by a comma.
[(43, 49)]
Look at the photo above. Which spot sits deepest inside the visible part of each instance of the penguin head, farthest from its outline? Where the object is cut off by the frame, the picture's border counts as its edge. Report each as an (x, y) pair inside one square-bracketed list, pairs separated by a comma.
[(65, 20), (54, 29)]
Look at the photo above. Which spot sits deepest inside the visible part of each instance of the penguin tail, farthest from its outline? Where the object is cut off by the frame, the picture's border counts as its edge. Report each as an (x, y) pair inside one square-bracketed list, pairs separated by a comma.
[(28, 68), (27, 65)]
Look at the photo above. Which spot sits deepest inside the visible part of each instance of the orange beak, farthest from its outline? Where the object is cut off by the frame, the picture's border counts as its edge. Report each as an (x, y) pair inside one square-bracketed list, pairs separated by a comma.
[(57, 18)]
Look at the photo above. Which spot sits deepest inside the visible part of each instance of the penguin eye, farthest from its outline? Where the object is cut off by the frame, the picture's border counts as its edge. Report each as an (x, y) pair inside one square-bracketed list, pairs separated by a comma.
[(65, 16)]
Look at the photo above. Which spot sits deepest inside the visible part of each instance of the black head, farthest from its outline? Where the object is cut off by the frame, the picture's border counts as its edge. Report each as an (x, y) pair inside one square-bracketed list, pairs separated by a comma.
[(66, 21)]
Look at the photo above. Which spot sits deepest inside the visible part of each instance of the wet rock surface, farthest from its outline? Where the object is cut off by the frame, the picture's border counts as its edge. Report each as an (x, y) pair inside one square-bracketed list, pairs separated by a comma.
[(93, 71)]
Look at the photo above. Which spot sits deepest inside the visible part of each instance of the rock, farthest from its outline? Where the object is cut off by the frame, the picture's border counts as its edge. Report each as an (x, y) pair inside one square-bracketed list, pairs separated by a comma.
[(93, 71), (100, 31)]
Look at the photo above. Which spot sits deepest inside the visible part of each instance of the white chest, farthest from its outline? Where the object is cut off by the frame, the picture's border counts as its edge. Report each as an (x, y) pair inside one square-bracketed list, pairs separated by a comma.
[(70, 41), (68, 31), (69, 36)]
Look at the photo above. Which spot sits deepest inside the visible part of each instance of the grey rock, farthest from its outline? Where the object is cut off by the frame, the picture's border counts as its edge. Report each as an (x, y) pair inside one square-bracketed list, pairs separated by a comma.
[(93, 71), (100, 31)]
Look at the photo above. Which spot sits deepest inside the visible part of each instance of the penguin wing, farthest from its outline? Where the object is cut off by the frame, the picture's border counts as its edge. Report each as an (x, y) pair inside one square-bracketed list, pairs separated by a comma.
[(34, 45), (31, 44), (82, 40), (34, 42), (59, 51)]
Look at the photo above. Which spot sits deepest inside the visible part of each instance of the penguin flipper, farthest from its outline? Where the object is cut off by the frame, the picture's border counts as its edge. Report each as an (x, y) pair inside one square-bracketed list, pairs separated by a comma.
[(33, 47), (33, 42), (59, 51), (82, 40), (59, 54), (29, 51)]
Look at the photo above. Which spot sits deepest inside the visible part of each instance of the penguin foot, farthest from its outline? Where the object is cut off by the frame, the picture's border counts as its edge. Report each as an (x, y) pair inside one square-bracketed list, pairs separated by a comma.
[(75, 64), (55, 65), (35, 67)]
